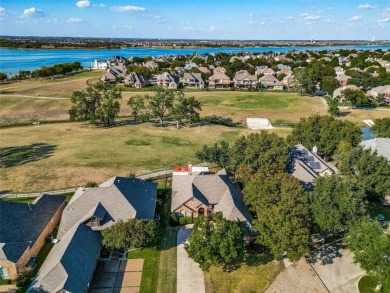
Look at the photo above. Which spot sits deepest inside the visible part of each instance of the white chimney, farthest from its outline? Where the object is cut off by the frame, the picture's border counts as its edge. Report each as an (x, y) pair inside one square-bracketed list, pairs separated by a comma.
[(315, 149)]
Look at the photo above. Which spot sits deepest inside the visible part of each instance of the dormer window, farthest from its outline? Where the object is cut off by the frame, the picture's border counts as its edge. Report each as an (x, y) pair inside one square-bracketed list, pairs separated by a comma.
[(95, 222)]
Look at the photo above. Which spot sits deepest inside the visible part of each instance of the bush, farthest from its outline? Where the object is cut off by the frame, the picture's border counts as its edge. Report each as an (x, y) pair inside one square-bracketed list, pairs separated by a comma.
[(5, 282), (220, 120), (185, 220), (91, 184)]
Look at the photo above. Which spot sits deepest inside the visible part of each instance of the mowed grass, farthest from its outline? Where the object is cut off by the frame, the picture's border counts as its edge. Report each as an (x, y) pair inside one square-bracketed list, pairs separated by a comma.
[(367, 284), (80, 153), (253, 277)]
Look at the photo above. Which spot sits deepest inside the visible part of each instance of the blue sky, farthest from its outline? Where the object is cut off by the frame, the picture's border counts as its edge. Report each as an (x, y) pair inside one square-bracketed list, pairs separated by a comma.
[(198, 19)]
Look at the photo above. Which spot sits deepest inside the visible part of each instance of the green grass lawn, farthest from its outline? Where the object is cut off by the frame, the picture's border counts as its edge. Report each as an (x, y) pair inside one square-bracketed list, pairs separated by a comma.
[(254, 276), (367, 284), (31, 199)]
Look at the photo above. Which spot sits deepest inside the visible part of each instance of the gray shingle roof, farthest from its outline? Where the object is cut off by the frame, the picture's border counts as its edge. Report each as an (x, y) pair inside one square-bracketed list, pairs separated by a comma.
[(380, 145), (71, 262), (21, 224), (211, 189)]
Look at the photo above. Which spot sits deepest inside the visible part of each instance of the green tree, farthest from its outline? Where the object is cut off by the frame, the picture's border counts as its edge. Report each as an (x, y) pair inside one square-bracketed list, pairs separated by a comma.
[(98, 104), (215, 240), (186, 109), (161, 104), (371, 170), (333, 107), (325, 132), (336, 202), (3, 76), (265, 153), (137, 104), (217, 153), (282, 213), (133, 233), (355, 97), (381, 127), (371, 248), (329, 83)]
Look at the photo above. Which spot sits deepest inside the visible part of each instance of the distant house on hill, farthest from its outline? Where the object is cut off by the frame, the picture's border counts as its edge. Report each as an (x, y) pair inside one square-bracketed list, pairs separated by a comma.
[(244, 80), (151, 64), (219, 81), (192, 80), (167, 80), (114, 73), (23, 230), (219, 70), (136, 80), (197, 192), (268, 81), (343, 79), (70, 265), (307, 165)]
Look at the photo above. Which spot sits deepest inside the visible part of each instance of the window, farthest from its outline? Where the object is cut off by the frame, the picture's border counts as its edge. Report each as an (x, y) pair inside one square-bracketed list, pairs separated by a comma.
[(95, 222), (182, 213), (4, 274)]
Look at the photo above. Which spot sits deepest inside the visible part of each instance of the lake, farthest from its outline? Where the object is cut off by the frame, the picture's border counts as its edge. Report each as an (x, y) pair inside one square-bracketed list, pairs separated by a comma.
[(13, 60)]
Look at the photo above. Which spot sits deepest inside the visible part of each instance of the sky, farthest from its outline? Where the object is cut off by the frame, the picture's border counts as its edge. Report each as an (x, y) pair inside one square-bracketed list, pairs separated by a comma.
[(199, 19)]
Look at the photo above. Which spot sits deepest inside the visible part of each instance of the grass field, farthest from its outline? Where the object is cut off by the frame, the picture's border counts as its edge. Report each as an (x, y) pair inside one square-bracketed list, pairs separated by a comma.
[(56, 156), (255, 276)]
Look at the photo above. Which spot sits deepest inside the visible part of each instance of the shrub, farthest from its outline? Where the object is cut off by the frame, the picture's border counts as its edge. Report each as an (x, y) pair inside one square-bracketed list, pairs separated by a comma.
[(220, 120), (174, 220), (91, 184), (5, 282), (185, 220)]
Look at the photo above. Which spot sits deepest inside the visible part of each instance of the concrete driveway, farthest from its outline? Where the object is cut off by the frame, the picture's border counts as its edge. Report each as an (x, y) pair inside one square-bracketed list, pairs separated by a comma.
[(190, 277), (340, 274)]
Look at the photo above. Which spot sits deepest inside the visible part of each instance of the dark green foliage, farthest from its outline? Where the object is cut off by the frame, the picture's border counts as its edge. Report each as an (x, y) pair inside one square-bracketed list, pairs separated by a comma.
[(185, 220), (3, 76), (91, 184), (263, 152), (130, 234), (220, 121), (98, 104), (325, 132), (174, 219), (161, 104), (372, 171), (218, 154), (371, 248), (215, 240), (336, 202), (355, 97), (381, 127), (186, 109), (329, 84), (283, 217)]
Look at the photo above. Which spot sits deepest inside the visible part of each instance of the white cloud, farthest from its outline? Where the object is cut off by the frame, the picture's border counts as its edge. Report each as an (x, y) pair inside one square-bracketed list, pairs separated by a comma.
[(2, 10), (127, 8), (251, 15), (74, 20), (102, 5), (212, 28), (365, 6), (355, 18), (290, 17), (387, 19), (32, 12), (312, 17), (262, 23), (304, 14), (84, 4)]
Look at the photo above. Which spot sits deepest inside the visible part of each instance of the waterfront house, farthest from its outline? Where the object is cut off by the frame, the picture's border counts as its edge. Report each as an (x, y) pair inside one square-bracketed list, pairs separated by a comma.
[(23, 230), (99, 64), (115, 73), (136, 80), (189, 66), (70, 265), (151, 64)]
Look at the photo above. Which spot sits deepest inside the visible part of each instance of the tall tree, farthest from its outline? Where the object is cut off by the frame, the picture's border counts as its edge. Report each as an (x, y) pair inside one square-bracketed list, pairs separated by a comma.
[(329, 83), (371, 170), (215, 240), (333, 107), (282, 213), (186, 109), (265, 153), (336, 202), (381, 127), (371, 248), (217, 153), (161, 104), (325, 132), (137, 104), (98, 104), (355, 97)]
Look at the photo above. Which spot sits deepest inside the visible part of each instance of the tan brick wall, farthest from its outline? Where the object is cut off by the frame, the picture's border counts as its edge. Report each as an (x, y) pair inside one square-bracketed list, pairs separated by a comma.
[(194, 206)]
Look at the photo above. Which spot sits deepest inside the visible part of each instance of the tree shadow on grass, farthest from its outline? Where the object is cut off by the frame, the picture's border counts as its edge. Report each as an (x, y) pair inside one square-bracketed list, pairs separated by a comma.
[(19, 155)]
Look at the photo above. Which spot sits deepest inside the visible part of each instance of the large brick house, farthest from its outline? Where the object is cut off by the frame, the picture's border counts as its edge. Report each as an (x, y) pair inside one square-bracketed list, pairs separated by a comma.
[(197, 192), (23, 230)]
